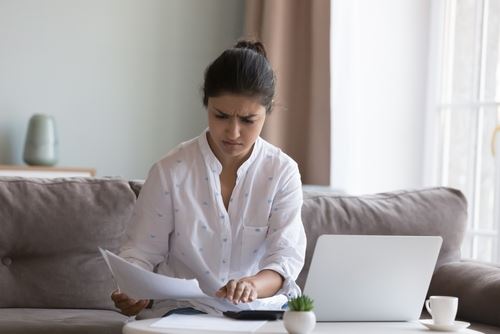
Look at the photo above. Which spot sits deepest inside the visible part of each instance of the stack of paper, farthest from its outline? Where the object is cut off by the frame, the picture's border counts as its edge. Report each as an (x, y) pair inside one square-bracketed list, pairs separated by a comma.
[(138, 283), (207, 322)]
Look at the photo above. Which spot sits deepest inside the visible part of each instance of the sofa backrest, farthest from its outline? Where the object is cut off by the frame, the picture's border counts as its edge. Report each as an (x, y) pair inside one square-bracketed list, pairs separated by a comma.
[(50, 230), (49, 234), (433, 211)]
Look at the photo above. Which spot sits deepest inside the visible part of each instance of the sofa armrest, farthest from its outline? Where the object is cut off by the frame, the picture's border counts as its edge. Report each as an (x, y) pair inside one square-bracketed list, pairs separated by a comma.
[(476, 284)]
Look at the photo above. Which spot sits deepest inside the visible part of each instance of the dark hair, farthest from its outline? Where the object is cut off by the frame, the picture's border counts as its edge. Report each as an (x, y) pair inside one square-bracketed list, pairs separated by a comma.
[(242, 69)]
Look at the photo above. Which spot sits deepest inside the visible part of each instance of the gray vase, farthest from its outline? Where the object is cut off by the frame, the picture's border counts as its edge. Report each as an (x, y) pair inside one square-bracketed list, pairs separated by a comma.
[(41, 144)]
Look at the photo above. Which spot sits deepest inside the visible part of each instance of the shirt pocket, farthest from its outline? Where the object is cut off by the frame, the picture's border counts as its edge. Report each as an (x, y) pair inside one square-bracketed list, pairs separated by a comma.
[(252, 247)]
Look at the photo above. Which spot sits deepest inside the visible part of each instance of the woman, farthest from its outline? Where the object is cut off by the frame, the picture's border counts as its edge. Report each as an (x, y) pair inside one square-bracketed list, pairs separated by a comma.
[(224, 207)]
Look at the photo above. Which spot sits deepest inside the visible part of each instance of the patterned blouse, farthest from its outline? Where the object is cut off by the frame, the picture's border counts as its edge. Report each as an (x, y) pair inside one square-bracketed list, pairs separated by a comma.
[(182, 229)]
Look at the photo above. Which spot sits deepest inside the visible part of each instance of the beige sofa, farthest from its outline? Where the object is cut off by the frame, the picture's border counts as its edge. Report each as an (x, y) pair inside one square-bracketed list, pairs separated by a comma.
[(53, 280)]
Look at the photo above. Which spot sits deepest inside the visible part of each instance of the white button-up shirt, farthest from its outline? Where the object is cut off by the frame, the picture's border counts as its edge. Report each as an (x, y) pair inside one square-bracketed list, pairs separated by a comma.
[(181, 227)]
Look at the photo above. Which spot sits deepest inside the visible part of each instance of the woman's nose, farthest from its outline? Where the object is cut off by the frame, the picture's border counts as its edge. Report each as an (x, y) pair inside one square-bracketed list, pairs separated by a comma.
[(233, 129)]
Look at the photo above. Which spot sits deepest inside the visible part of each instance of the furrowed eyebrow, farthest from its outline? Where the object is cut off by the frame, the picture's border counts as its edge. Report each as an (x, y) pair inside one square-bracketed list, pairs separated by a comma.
[(247, 118), (220, 112), (241, 117)]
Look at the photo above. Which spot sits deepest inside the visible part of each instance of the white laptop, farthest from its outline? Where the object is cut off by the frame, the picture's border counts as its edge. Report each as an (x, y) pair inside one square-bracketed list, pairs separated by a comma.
[(371, 278)]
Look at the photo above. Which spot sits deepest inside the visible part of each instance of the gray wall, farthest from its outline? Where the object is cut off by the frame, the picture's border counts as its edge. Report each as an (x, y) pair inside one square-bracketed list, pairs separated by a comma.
[(121, 77)]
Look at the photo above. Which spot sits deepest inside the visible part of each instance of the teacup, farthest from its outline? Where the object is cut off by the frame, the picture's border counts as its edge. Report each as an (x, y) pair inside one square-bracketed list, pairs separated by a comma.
[(443, 309)]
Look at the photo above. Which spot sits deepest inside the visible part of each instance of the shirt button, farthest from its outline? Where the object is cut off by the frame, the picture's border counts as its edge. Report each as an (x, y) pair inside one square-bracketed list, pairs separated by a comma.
[(6, 261)]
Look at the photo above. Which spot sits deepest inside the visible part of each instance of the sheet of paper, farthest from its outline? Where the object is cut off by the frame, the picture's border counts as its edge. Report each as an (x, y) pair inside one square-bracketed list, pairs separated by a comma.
[(138, 283), (208, 322), (270, 303)]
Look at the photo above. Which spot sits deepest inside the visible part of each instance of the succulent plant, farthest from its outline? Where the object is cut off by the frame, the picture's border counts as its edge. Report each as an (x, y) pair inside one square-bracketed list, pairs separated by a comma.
[(301, 303)]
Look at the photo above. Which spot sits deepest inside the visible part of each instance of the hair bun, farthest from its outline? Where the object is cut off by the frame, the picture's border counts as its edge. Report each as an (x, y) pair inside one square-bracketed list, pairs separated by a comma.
[(252, 45)]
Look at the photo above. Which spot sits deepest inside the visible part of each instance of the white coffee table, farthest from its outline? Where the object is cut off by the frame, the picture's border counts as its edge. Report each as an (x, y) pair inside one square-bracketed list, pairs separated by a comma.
[(276, 327)]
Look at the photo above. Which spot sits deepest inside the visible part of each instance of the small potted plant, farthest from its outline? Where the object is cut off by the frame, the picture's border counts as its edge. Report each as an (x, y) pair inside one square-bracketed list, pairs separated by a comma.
[(299, 318)]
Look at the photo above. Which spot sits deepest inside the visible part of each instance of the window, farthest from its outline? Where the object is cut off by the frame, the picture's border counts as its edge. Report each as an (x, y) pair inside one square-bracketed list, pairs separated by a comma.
[(468, 114)]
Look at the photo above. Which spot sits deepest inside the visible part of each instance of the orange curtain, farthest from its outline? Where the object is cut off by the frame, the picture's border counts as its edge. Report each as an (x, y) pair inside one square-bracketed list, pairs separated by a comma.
[(296, 34)]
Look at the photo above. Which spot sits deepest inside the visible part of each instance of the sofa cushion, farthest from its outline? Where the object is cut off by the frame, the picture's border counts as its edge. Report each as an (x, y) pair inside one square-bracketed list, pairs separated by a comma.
[(434, 211), (477, 286), (485, 329), (59, 321), (50, 231)]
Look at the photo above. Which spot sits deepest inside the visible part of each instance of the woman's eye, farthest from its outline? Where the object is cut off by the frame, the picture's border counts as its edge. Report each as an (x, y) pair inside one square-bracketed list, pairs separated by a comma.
[(247, 121), (220, 116)]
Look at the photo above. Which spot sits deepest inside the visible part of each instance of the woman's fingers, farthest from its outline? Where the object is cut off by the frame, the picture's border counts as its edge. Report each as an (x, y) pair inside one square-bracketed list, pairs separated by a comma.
[(238, 292), (117, 296), (127, 305), (253, 296), (123, 304), (221, 293), (230, 287), (245, 296), (135, 308), (121, 300)]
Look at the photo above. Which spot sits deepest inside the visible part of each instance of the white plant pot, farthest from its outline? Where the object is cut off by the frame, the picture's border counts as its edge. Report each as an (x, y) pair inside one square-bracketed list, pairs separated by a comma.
[(299, 322)]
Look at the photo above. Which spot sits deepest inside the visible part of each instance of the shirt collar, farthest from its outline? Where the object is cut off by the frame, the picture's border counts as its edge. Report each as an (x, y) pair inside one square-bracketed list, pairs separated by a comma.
[(214, 163), (209, 156)]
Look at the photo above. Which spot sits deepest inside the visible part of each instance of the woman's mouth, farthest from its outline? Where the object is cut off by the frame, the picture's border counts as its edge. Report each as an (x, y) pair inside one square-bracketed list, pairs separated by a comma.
[(230, 143)]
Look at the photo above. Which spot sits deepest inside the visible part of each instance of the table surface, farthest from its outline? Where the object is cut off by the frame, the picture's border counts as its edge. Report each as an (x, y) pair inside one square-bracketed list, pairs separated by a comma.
[(276, 327)]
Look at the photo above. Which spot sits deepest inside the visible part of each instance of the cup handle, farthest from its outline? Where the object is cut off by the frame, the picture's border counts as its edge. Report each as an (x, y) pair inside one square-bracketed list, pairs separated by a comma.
[(428, 307)]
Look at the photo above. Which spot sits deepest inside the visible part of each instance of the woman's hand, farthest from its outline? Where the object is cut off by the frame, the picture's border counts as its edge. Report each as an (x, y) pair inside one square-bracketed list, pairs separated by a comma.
[(243, 290), (127, 305)]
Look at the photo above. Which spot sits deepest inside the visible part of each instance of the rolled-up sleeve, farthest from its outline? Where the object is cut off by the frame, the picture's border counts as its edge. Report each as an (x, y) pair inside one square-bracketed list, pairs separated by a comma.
[(152, 222), (286, 239)]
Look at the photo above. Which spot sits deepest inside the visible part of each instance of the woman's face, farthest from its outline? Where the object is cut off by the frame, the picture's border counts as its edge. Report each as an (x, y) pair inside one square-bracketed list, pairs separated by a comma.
[(234, 123)]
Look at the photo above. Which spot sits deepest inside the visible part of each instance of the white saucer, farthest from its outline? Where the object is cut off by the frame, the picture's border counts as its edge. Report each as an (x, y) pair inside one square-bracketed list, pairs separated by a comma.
[(456, 326)]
